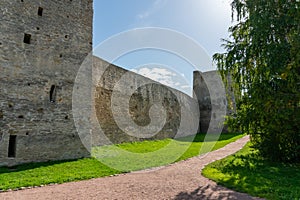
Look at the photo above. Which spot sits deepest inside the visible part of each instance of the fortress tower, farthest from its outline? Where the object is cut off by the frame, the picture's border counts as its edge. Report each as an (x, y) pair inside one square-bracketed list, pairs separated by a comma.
[(211, 96), (42, 45)]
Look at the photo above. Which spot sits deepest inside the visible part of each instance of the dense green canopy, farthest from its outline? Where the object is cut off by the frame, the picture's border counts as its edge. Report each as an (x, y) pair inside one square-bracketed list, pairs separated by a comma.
[(263, 58)]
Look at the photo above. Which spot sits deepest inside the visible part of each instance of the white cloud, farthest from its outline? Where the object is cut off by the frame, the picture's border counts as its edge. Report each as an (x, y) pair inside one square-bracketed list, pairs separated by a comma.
[(166, 77), (157, 5), (185, 87)]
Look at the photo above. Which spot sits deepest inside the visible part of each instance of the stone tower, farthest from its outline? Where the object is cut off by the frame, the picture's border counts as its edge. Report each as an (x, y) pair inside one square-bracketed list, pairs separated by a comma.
[(211, 95), (42, 45)]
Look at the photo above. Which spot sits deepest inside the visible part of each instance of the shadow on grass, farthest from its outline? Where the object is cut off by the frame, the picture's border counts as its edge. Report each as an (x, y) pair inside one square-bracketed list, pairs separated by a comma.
[(199, 137), (29, 166), (247, 172)]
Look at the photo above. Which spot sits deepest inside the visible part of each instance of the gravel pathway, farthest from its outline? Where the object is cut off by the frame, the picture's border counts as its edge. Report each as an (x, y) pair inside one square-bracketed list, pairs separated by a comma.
[(181, 180)]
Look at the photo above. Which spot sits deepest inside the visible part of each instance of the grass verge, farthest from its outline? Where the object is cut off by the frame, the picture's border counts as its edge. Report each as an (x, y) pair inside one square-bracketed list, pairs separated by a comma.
[(36, 174), (246, 172)]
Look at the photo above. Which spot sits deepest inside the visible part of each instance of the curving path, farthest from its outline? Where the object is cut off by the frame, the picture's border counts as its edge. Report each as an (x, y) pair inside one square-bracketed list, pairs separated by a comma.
[(181, 180)]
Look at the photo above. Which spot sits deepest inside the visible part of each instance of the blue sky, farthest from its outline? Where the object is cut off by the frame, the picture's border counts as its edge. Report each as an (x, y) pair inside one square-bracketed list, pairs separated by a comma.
[(205, 21)]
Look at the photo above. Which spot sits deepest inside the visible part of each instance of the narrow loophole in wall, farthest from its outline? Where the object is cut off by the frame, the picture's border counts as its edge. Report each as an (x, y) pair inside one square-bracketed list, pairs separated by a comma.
[(40, 11), (12, 146), (52, 93), (27, 38), (1, 114)]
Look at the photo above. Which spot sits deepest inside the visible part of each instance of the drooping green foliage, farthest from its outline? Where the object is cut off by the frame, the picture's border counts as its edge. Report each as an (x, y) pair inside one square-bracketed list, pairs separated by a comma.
[(263, 60)]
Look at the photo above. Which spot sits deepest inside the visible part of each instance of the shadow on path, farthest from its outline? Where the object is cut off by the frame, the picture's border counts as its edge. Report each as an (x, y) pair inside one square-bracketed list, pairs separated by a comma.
[(209, 192)]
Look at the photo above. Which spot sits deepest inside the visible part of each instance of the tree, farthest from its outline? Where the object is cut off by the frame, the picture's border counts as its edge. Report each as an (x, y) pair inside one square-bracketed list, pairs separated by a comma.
[(263, 59)]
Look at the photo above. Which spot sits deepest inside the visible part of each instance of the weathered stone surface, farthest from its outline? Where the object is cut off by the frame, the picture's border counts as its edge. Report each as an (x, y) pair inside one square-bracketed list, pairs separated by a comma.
[(182, 112), (211, 94), (42, 44)]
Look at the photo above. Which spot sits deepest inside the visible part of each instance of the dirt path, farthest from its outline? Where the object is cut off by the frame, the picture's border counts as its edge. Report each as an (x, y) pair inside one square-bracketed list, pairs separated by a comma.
[(181, 180)]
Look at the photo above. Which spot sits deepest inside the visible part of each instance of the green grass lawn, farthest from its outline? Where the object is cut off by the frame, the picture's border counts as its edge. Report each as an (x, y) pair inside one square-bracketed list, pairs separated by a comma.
[(133, 156), (246, 172)]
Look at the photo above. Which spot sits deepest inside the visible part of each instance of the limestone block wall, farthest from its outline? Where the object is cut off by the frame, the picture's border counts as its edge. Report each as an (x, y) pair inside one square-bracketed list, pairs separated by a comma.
[(182, 112), (42, 45)]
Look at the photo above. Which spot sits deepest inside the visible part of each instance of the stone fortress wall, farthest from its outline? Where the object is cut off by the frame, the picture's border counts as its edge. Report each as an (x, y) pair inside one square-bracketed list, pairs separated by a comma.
[(212, 96), (182, 111), (42, 45)]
